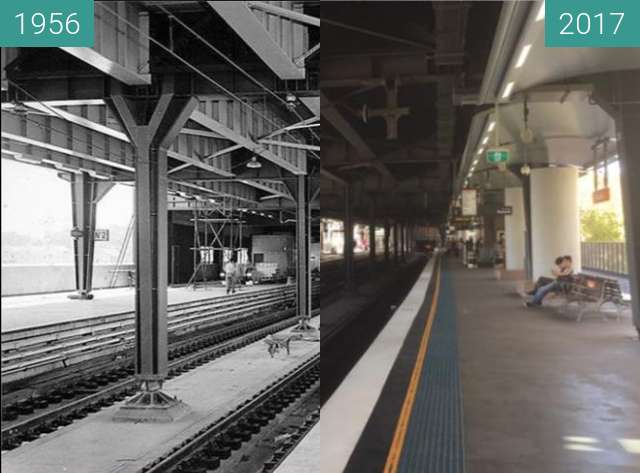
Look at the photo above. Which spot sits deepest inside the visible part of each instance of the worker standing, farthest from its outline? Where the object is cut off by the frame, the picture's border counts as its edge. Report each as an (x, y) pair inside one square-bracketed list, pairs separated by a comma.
[(230, 275)]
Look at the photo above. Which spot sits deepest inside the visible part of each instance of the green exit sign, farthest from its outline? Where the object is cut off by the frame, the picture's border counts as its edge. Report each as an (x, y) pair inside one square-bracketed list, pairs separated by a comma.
[(497, 155)]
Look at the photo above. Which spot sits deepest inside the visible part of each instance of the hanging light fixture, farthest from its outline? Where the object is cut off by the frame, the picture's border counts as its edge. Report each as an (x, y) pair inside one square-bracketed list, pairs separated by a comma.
[(291, 101), (254, 163)]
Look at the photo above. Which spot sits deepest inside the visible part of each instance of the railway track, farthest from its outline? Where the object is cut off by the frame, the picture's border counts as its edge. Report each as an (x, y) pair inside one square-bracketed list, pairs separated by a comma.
[(212, 448), (333, 273), (32, 351), (54, 409), (200, 332)]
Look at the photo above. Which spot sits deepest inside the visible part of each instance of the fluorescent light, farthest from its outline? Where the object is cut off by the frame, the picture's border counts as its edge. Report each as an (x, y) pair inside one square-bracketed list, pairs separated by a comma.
[(631, 445), (486, 138), (507, 90), (574, 439), (475, 162), (480, 151), (492, 125), (579, 447), (523, 55), (540, 13)]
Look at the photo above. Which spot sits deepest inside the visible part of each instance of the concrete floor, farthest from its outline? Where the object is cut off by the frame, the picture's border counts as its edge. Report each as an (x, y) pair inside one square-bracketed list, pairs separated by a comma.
[(306, 456), (40, 309), (542, 393)]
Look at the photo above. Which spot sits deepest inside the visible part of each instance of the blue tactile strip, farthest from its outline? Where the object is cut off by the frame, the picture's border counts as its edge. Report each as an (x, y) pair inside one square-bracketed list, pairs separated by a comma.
[(371, 450), (434, 438)]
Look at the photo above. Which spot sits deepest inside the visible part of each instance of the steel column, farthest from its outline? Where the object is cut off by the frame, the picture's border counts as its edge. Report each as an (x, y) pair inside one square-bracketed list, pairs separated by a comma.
[(395, 242), (372, 231), (302, 239), (528, 246), (348, 238), (151, 136), (86, 192), (387, 233)]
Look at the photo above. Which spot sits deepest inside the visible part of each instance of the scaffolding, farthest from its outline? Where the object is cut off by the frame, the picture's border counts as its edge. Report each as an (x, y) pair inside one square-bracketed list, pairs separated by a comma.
[(215, 230), (122, 254)]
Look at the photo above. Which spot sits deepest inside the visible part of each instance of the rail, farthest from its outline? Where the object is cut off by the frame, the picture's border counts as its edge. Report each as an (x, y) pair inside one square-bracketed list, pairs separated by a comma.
[(37, 350), (608, 257)]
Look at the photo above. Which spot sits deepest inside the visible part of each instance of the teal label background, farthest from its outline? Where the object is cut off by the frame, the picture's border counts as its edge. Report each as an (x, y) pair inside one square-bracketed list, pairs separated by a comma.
[(10, 25), (628, 34), (497, 156)]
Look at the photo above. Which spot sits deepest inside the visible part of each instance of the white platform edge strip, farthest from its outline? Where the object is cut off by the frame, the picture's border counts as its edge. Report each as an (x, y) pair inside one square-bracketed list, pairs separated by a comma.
[(304, 458), (347, 411)]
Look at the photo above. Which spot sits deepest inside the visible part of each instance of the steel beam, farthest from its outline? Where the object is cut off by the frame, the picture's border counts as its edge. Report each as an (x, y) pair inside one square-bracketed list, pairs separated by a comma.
[(246, 142), (52, 133), (108, 66), (253, 33), (119, 51), (202, 164), (306, 123), (285, 13), (367, 156), (290, 144)]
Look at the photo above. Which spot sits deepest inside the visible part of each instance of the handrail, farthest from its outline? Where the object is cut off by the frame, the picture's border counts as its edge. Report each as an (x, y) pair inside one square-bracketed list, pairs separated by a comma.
[(608, 257)]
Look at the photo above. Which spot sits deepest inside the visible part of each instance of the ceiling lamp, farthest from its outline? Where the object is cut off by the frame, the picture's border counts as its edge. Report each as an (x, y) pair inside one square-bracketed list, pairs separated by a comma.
[(254, 163), (525, 170), (291, 101)]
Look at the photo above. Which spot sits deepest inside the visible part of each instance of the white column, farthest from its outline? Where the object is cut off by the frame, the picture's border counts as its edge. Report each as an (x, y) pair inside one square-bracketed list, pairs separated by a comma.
[(554, 218), (514, 229)]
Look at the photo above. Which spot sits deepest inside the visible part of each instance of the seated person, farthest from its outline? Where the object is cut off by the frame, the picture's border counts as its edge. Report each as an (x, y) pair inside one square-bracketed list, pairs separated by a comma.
[(567, 277), (561, 271), (543, 280)]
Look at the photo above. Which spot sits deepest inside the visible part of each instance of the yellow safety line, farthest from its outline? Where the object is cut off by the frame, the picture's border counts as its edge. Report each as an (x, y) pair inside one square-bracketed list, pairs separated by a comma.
[(393, 458)]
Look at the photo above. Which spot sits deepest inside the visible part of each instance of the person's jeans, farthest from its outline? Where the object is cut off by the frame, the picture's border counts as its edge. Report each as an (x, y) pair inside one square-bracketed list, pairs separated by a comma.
[(543, 291)]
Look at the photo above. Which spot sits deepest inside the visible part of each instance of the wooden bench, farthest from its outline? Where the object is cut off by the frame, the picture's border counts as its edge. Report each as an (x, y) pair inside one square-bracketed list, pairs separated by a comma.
[(593, 292)]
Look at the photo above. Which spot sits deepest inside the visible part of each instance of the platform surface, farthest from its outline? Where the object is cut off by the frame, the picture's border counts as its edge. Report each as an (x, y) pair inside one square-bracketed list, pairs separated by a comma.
[(27, 311), (306, 457), (362, 387), (96, 444), (541, 392)]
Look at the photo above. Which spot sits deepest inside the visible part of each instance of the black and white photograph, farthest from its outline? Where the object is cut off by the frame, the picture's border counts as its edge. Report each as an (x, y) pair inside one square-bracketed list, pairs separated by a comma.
[(168, 210)]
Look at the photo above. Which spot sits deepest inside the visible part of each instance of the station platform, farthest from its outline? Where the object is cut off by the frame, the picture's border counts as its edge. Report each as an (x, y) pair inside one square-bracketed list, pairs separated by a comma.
[(306, 457), (464, 378), (97, 444), (42, 309)]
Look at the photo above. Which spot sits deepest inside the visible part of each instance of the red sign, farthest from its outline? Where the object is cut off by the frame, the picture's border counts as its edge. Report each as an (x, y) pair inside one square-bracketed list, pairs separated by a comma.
[(601, 195)]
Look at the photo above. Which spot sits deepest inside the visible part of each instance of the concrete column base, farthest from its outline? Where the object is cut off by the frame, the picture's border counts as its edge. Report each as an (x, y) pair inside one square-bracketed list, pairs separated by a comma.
[(151, 405), (81, 295)]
